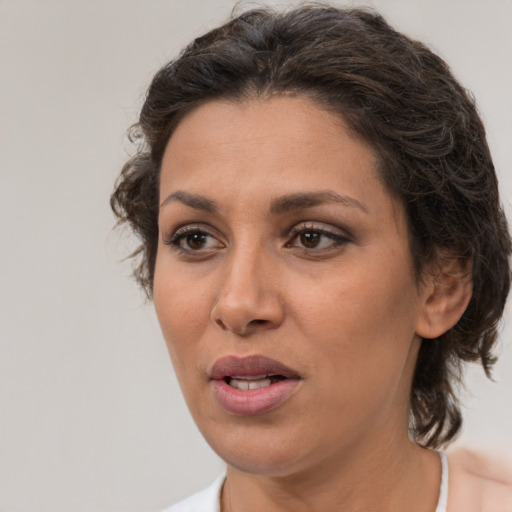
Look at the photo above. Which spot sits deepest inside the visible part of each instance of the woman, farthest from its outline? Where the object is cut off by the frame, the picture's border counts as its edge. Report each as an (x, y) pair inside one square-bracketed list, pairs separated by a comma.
[(323, 240)]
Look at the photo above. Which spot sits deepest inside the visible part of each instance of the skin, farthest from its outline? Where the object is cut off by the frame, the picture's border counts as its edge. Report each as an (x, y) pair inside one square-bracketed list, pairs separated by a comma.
[(346, 314), (479, 483)]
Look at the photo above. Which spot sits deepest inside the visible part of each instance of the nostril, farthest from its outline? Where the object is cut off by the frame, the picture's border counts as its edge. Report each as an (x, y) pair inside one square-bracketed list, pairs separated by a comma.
[(258, 322)]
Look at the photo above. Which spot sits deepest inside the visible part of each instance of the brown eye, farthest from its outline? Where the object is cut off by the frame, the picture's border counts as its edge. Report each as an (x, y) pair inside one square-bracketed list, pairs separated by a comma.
[(192, 240), (196, 241), (316, 240), (310, 239)]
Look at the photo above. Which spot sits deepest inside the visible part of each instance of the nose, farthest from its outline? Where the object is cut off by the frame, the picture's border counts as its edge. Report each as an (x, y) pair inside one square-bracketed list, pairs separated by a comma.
[(248, 300)]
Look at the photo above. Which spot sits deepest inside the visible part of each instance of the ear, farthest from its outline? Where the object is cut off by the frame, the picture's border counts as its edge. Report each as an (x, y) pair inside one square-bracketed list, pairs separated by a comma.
[(445, 293)]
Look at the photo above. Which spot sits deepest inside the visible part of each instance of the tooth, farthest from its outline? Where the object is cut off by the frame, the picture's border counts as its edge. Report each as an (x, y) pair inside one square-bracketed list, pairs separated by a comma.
[(246, 385), (249, 377), (239, 384), (258, 384)]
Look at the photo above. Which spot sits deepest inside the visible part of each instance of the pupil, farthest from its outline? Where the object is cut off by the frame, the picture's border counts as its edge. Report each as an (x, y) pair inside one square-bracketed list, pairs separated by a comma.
[(310, 239), (196, 240)]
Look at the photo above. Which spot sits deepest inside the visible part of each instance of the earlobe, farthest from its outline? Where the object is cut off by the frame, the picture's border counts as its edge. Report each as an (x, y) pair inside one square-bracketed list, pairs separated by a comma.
[(446, 294)]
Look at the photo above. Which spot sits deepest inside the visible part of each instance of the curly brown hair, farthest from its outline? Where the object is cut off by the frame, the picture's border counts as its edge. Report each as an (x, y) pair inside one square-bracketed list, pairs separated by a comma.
[(404, 101)]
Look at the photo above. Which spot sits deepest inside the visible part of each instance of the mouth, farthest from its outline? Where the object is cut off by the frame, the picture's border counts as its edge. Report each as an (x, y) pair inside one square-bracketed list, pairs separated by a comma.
[(252, 385), (246, 383)]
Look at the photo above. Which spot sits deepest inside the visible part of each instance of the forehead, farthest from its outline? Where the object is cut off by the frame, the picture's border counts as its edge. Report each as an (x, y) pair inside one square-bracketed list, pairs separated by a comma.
[(276, 129), (268, 146), (259, 116)]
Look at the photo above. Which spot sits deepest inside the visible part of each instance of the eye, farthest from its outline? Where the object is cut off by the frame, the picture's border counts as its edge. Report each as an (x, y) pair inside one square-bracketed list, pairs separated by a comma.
[(311, 238), (192, 239)]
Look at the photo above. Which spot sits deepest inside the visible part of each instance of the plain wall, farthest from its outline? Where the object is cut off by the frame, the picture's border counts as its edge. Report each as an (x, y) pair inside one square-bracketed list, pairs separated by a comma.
[(91, 415)]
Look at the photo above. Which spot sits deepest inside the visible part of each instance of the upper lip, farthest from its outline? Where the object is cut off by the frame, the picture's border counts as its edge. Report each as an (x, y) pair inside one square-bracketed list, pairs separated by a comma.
[(249, 366)]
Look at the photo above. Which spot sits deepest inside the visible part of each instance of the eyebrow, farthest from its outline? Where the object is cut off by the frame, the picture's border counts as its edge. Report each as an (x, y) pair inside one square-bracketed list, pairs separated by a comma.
[(193, 200), (280, 205), (306, 200)]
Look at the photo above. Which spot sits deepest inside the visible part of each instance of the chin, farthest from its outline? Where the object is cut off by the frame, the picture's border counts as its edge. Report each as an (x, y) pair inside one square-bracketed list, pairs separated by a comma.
[(261, 449), (268, 462)]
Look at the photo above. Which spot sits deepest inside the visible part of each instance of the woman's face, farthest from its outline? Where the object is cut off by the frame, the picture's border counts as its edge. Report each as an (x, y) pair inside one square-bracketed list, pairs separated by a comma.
[(284, 285)]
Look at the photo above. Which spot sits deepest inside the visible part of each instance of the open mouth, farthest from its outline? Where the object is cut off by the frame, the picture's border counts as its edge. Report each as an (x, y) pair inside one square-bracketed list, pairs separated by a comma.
[(247, 383), (250, 372), (252, 385)]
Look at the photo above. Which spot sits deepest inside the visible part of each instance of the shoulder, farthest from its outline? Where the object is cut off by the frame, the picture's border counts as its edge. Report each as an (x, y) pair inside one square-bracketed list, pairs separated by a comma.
[(207, 500), (478, 483)]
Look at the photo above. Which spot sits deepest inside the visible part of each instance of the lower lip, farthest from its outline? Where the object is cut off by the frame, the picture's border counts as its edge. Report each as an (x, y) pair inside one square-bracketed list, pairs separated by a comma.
[(254, 401)]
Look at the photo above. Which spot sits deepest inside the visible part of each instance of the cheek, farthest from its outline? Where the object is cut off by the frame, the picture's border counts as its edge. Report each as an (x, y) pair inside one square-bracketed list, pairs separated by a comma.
[(361, 327), (354, 303), (183, 312)]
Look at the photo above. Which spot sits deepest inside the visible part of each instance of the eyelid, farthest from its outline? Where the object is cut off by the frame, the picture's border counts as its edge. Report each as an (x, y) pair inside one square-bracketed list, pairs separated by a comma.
[(321, 227), (337, 238), (174, 235)]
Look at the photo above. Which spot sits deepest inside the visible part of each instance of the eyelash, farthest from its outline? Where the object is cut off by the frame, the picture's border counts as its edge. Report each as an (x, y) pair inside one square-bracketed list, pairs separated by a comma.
[(338, 240), (181, 233)]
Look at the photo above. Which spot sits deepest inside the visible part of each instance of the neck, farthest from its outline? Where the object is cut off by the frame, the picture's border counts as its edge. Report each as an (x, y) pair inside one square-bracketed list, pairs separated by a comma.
[(385, 477)]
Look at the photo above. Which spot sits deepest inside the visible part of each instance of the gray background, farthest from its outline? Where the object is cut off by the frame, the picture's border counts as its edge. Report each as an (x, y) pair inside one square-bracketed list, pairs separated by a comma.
[(91, 415)]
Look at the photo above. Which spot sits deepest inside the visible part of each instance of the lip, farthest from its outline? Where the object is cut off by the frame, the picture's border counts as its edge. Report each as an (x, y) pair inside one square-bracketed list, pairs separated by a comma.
[(255, 401)]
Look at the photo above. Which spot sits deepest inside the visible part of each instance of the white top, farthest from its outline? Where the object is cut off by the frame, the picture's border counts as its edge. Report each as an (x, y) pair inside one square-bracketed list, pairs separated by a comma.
[(208, 500), (443, 491)]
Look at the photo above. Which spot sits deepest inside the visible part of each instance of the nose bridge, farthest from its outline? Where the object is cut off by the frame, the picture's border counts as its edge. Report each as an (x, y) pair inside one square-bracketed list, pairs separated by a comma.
[(247, 297), (244, 280)]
